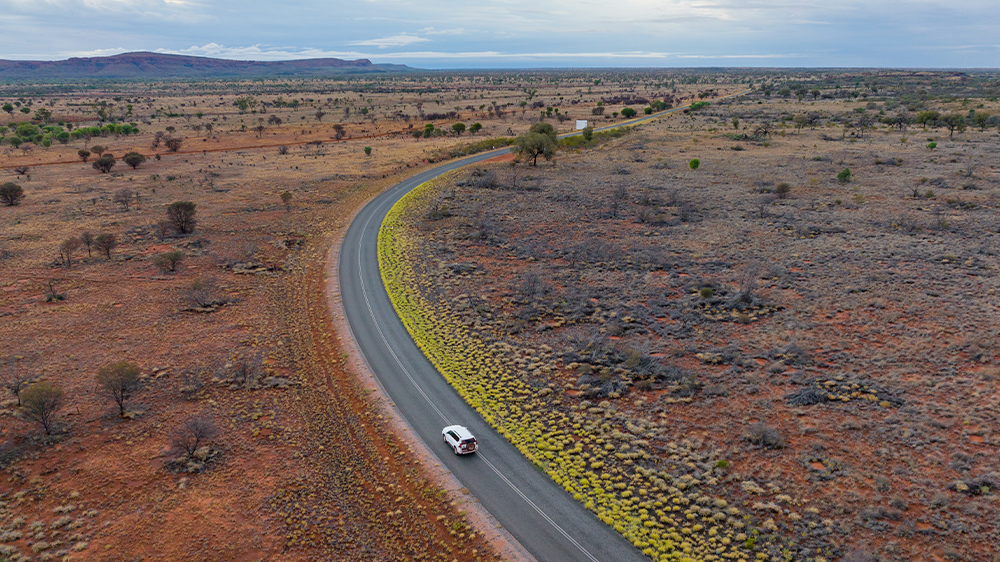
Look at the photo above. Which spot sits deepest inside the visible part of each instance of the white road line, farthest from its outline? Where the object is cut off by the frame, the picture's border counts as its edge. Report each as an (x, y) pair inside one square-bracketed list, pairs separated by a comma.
[(371, 312)]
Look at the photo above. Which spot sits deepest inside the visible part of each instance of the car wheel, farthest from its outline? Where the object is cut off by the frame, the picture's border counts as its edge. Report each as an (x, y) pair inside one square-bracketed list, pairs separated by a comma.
[(456, 450)]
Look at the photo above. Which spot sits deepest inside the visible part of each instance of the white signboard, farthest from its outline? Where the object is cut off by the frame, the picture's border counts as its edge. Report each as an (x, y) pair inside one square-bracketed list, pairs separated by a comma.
[(581, 124)]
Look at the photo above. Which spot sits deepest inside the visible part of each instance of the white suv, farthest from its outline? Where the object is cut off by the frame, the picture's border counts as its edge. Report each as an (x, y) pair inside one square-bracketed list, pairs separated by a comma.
[(460, 439)]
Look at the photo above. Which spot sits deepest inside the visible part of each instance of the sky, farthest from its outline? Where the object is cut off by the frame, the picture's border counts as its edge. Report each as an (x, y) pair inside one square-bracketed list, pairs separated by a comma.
[(439, 34)]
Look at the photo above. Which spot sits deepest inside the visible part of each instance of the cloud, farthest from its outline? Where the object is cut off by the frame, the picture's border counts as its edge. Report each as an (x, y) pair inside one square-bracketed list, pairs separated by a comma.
[(400, 40)]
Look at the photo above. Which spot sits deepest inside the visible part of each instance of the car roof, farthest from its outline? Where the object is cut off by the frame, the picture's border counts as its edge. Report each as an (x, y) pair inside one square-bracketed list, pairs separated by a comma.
[(462, 431)]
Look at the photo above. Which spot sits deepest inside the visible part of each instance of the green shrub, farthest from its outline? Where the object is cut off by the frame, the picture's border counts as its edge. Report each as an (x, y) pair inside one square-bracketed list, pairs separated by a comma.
[(932, 145), (706, 292), (167, 261), (844, 176), (694, 163)]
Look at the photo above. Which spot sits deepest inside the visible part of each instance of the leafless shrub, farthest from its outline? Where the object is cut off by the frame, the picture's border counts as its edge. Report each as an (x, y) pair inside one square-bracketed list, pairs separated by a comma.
[(530, 286), (205, 292), (87, 239), (69, 247), (192, 381), (763, 204), (245, 371), (106, 242), (747, 282), (123, 197), (763, 435), (192, 434), (484, 179), (14, 377)]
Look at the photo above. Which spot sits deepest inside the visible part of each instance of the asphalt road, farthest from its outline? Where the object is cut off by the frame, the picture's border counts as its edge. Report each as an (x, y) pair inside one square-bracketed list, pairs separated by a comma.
[(541, 515)]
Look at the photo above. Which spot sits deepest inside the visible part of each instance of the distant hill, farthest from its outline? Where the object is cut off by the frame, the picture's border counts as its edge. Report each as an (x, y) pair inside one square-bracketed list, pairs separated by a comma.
[(154, 66)]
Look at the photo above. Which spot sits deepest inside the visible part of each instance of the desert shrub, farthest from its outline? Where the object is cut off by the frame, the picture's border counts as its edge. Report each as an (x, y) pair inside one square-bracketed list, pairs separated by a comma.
[(192, 434), (368, 151), (84, 154), (782, 190), (118, 382), (694, 163), (11, 194), (133, 159), (706, 292), (40, 402), (173, 144), (104, 163), (167, 261), (763, 435), (844, 176), (282, 149), (180, 214)]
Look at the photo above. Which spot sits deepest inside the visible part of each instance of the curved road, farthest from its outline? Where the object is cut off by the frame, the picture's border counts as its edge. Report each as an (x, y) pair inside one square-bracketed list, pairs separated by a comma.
[(541, 515)]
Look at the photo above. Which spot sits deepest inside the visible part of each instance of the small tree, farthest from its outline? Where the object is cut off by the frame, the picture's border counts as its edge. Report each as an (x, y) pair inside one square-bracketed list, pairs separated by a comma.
[(173, 144), (87, 238), (133, 159), (368, 151), (84, 154), (106, 243), (286, 200), (123, 197), (540, 140), (628, 112), (981, 119), (193, 434), (844, 176), (475, 127), (181, 216), (588, 133), (458, 128), (783, 189), (11, 194), (167, 261), (40, 402), (104, 163), (68, 247), (954, 122), (98, 150), (118, 382), (694, 163), (22, 170)]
